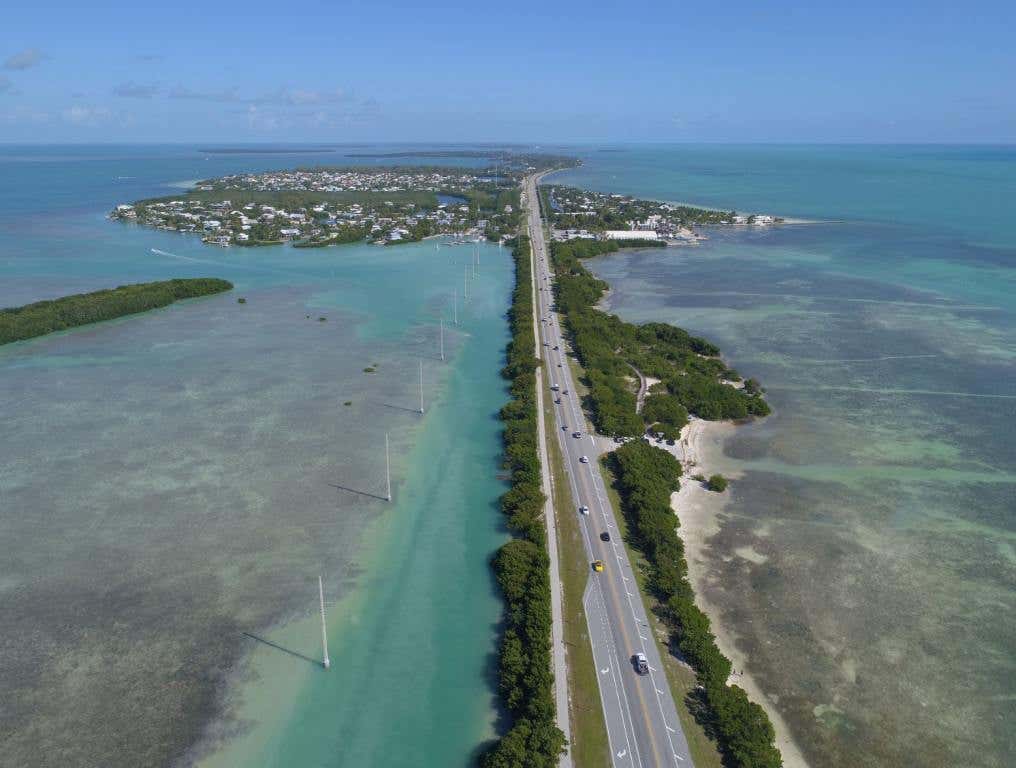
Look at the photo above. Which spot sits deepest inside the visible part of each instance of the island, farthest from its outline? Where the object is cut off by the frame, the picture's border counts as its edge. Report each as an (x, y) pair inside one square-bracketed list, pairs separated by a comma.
[(323, 206), (42, 317), (578, 214)]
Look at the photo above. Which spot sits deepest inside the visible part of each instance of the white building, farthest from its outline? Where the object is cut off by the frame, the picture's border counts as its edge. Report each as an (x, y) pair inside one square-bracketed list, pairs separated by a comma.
[(630, 234)]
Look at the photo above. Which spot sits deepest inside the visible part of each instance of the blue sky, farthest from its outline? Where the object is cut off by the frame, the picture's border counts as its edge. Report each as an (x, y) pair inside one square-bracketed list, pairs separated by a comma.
[(548, 71)]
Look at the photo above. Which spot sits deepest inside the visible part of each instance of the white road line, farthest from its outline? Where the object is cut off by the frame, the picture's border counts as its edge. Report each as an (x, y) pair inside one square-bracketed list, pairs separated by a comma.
[(597, 482), (620, 693)]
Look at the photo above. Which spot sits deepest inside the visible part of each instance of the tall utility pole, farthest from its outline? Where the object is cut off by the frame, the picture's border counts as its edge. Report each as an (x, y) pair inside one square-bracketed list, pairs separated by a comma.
[(326, 662), (388, 470)]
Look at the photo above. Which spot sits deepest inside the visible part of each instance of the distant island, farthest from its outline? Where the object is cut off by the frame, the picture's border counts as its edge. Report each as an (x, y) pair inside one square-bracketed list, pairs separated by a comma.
[(42, 317), (264, 150)]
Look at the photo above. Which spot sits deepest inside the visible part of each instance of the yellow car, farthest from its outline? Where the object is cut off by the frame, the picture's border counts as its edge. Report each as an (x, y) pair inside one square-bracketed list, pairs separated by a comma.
[(598, 565)]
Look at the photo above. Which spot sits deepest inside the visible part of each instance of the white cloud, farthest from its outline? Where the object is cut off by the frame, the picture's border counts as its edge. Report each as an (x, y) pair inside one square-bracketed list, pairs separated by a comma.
[(302, 97), (281, 97), (87, 116), (182, 92), (26, 59), (132, 90), (22, 115), (259, 120)]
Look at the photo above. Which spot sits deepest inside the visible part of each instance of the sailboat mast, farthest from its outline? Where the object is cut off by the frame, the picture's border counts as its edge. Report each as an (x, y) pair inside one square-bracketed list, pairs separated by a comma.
[(455, 305), (326, 663), (441, 321), (421, 386)]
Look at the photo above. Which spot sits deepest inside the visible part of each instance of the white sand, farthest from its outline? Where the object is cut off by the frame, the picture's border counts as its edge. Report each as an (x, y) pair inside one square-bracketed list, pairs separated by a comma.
[(699, 512)]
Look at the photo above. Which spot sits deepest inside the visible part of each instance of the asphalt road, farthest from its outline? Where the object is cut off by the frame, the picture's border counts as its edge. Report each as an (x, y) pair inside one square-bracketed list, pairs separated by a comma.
[(642, 725)]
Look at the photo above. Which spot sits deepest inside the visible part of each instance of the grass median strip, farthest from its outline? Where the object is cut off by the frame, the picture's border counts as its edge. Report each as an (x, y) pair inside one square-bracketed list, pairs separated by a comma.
[(589, 731)]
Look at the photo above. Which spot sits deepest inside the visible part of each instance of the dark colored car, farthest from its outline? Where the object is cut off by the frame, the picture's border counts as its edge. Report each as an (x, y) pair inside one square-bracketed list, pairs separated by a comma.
[(605, 536)]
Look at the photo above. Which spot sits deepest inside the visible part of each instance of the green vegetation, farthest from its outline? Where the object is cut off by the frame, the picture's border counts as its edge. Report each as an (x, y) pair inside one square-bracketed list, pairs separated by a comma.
[(241, 300), (589, 745), (636, 243), (522, 565), (689, 368), (717, 483), (43, 317), (646, 477), (681, 677), (594, 211), (340, 236)]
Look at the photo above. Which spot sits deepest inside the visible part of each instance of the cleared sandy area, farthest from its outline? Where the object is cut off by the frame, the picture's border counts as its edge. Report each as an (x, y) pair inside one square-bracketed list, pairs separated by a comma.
[(700, 512)]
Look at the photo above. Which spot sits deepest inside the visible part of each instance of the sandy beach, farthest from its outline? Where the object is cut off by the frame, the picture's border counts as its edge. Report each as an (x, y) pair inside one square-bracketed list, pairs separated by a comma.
[(701, 512)]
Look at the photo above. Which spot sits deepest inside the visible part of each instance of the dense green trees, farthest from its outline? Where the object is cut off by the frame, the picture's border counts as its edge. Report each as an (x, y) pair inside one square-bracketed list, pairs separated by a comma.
[(341, 236), (82, 308), (667, 411), (522, 565), (646, 477), (689, 368)]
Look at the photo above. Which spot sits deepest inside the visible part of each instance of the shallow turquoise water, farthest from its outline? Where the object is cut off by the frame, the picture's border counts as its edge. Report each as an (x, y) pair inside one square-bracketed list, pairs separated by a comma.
[(881, 495), (174, 480)]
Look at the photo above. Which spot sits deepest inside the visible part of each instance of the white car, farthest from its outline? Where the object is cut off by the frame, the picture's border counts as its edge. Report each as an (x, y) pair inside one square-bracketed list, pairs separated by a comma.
[(584, 510), (584, 459)]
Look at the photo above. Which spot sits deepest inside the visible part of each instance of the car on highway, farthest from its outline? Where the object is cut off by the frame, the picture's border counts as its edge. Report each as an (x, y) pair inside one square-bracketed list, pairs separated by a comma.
[(641, 663), (605, 536), (584, 459), (564, 392), (576, 434), (554, 388), (564, 427), (555, 347), (583, 510), (598, 566), (557, 401)]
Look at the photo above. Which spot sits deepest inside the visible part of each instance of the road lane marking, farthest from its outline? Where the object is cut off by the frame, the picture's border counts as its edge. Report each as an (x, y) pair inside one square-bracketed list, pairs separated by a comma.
[(597, 482)]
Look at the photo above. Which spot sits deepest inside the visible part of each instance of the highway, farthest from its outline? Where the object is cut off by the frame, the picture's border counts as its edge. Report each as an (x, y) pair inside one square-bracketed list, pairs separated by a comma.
[(642, 725)]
